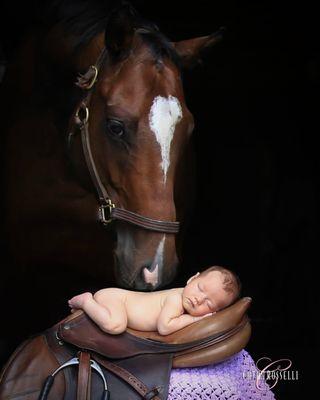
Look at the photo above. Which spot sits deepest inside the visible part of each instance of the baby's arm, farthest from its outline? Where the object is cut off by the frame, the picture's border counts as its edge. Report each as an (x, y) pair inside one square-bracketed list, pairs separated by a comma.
[(171, 318), (106, 311)]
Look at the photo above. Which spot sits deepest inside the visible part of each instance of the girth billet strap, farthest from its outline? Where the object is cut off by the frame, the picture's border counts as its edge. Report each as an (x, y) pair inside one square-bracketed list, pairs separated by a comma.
[(107, 210), (84, 376)]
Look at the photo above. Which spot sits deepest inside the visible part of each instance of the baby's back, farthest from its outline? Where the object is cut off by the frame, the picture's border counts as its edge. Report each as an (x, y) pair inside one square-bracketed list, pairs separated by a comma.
[(142, 308)]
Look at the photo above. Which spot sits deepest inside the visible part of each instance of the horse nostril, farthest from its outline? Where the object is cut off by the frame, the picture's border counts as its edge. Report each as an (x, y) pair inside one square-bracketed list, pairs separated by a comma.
[(149, 266)]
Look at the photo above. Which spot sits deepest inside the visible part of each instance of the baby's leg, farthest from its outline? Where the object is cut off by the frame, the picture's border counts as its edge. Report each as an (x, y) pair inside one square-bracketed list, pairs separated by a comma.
[(111, 318)]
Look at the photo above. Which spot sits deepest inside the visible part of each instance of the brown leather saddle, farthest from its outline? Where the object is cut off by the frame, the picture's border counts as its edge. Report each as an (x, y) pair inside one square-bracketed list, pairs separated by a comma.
[(76, 360)]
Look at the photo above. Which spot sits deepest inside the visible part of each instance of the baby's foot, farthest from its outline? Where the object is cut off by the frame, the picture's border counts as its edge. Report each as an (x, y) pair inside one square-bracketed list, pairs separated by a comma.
[(80, 300)]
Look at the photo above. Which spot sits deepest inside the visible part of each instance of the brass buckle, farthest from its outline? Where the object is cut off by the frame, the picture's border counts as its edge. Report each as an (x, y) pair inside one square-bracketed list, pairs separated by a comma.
[(94, 78), (105, 212), (82, 115), (87, 80)]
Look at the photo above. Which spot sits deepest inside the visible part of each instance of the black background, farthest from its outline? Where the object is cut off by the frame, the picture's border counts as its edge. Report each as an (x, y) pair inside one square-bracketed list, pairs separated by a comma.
[(255, 99)]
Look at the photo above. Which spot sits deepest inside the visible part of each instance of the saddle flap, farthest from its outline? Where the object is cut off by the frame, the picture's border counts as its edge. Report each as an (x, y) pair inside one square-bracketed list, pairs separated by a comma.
[(81, 331)]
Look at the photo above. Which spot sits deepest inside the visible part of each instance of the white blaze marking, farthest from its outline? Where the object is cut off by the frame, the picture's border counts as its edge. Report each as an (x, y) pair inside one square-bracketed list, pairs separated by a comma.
[(164, 114), (153, 277)]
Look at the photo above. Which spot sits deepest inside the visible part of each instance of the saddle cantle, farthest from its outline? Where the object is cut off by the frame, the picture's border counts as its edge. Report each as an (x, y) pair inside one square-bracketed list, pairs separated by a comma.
[(132, 365)]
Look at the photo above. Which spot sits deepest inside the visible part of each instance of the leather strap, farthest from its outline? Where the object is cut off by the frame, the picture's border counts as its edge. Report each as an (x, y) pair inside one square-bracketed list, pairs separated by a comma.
[(145, 222), (107, 210), (132, 380), (84, 376)]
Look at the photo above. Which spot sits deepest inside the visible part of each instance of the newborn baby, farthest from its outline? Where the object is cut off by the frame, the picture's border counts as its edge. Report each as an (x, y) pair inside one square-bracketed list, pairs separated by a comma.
[(165, 311)]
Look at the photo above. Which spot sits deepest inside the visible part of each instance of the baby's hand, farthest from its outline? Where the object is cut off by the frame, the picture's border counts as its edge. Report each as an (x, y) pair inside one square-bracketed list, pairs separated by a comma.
[(202, 316), (207, 315)]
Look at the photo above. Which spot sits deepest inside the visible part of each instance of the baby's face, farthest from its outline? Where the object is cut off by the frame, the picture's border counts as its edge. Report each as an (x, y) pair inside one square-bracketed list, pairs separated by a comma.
[(205, 294)]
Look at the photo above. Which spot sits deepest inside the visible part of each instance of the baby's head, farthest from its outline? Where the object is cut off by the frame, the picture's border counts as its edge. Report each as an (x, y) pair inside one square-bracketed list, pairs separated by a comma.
[(210, 291)]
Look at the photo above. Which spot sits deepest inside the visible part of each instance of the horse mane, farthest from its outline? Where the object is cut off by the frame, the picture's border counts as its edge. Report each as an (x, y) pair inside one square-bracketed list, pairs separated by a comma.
[(85, 19), (159, 45)]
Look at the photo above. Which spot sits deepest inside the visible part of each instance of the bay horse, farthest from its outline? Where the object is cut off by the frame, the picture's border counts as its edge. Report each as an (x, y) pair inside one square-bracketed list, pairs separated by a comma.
[(114, 148)]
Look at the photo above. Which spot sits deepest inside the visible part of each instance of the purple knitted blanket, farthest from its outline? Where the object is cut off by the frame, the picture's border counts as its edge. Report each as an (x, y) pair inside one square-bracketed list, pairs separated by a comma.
[(227, 380)]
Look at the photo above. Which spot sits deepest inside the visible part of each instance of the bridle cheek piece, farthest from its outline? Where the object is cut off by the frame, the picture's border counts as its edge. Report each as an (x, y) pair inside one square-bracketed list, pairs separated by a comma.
[(107, 209)]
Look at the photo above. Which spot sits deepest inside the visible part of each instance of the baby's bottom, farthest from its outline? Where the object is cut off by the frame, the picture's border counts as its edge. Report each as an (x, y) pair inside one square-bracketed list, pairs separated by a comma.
[(111, 321)]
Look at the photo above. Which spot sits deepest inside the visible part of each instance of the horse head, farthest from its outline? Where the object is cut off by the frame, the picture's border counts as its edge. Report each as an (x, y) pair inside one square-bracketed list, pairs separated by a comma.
[(140, 128), (128, 141)]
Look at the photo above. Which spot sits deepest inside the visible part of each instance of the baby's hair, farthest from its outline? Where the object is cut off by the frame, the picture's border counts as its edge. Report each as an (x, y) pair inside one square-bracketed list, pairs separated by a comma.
[(231, 281)]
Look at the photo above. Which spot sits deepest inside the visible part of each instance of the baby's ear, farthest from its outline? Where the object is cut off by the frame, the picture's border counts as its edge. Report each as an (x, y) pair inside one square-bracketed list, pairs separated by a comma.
[(193, 277)]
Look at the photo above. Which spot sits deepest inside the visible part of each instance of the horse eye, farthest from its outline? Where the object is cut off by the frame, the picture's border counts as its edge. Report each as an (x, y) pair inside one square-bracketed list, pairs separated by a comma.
[(115, 127)]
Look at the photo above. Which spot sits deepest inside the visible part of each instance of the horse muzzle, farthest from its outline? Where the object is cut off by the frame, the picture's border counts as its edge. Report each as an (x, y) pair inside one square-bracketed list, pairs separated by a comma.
[(147, 267)]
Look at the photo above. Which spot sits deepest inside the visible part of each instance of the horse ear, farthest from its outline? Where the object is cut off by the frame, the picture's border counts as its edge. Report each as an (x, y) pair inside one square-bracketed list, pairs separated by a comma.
[(120, 30), (191, 50)]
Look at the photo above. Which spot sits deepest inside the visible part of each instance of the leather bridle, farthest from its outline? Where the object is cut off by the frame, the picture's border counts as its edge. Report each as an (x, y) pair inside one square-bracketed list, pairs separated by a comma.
[(107, 209)]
